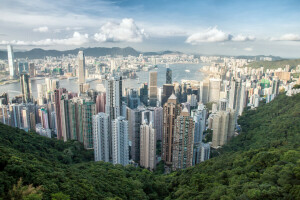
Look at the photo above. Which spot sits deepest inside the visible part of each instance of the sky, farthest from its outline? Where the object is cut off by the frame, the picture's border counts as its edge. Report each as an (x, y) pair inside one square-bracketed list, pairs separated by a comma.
[(209, 27)]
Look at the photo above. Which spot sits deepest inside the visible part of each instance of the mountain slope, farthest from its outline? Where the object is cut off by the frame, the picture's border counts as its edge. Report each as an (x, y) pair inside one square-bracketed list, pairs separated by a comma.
[(38, 53), (275, 64), (263, 162)]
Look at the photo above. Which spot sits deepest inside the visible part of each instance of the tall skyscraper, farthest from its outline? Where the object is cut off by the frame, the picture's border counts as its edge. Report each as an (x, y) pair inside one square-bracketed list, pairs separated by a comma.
[(183, 141), (134, 123), (101, 138), (204, 91), (88, 110), (148, 146), (144, 94), (223, 127), (11, 64), (25, 87), (152, 88), (81, 68), (120, 152), (113, 97), (171, 111), (31, 70), (214, 90), (168, 76), (133, 99), (101, 102), (168, 90)]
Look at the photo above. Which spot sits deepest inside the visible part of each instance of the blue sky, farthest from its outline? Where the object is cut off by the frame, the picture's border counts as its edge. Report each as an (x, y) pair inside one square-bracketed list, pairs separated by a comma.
[(227, 27)]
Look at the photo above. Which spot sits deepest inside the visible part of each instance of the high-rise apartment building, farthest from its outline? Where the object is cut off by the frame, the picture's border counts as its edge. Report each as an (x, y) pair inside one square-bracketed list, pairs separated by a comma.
[(133, 99), (101, 102), (168, 90), (148, 146), (134, 123), (171, 111), (113, 97), (144, 94), (183, 141), (214, 90), (101, 138), (152, 88), (120, 152)]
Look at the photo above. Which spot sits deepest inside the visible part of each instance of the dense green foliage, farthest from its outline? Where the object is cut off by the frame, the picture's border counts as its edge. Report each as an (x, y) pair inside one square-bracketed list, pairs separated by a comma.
[(263, 162), (275, 64)]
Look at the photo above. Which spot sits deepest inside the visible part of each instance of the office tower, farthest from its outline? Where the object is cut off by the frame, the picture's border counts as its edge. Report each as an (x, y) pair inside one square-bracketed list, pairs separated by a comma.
[(158, 122), (144, 94), (152, 88), (214, 90), (101, 138), (183, 141), (25, 87), (234, 94), (88, 110), (168, 76), (64, 113), (101, 102), (81, 68), (23, 67), (31, 70), (192, 100), (113, 97), (204, 91), (134, 123), (223, 127), (171, 111), (133, 99), (148, 146), (159, 96), (11, 64), (120, 152), (168, 90)]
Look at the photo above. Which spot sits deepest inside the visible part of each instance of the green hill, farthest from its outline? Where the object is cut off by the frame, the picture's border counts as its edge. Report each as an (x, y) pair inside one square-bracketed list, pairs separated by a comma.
[(263, 162), (275, 64)]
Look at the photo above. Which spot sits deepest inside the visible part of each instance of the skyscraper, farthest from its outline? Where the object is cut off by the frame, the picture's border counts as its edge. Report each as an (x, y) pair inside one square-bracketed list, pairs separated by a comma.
[(152, 88), (11, 64), (88, 110), (144, 94), (214, 90), (133, 100), (25, 87), (81, 68), (223, 127), (168, 90), (168, 76), (183, 141), (171, 111), (113, 97), (100, 102), (134, 123), (120, 153), (148, 146), (101, 138)]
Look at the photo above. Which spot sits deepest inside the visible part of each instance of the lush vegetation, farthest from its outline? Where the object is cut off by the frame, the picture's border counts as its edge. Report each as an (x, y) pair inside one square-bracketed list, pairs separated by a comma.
[(263, 162), (275, 64)]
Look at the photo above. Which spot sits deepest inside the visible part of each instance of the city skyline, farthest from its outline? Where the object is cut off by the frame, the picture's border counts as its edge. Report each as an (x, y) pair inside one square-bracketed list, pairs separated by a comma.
[(206, 27)]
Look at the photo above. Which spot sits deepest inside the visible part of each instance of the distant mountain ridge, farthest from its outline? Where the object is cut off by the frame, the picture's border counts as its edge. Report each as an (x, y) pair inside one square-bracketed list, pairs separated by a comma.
[(39, 53)]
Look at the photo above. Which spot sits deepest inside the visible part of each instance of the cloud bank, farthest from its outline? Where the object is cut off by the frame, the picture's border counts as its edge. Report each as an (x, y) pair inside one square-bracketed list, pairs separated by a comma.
[(287, 37), (125, 31), (215, 35)]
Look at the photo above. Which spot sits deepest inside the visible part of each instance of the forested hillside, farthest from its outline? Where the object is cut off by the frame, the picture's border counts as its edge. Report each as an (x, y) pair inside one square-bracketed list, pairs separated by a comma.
[(275, 64), (263, 162)]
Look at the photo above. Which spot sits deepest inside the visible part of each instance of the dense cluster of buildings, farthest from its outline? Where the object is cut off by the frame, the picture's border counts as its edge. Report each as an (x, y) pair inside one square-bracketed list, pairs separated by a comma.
[(143, 126)]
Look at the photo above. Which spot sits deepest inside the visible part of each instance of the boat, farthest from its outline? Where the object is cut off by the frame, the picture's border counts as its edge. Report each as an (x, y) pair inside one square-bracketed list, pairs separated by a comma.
[(187, 70)]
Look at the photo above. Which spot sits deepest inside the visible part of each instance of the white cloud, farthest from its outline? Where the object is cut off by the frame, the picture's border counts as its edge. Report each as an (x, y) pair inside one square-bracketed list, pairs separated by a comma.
[(125, 31), (248, 49), (287, 37), (76, 39), (41, 29), (209, 35), (215, 35), (242, 38)]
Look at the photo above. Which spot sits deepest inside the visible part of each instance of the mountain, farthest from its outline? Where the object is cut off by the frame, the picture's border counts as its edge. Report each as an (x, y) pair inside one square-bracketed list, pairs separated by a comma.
[(263, 162), (275, 64), (95, 51)]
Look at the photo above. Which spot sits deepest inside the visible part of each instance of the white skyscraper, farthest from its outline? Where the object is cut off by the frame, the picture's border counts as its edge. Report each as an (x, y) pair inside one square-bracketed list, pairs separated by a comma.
[(113, 97), (11, 64), (148, 146), (101, 137), (81, 68), (120, 149), (214, 89)]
